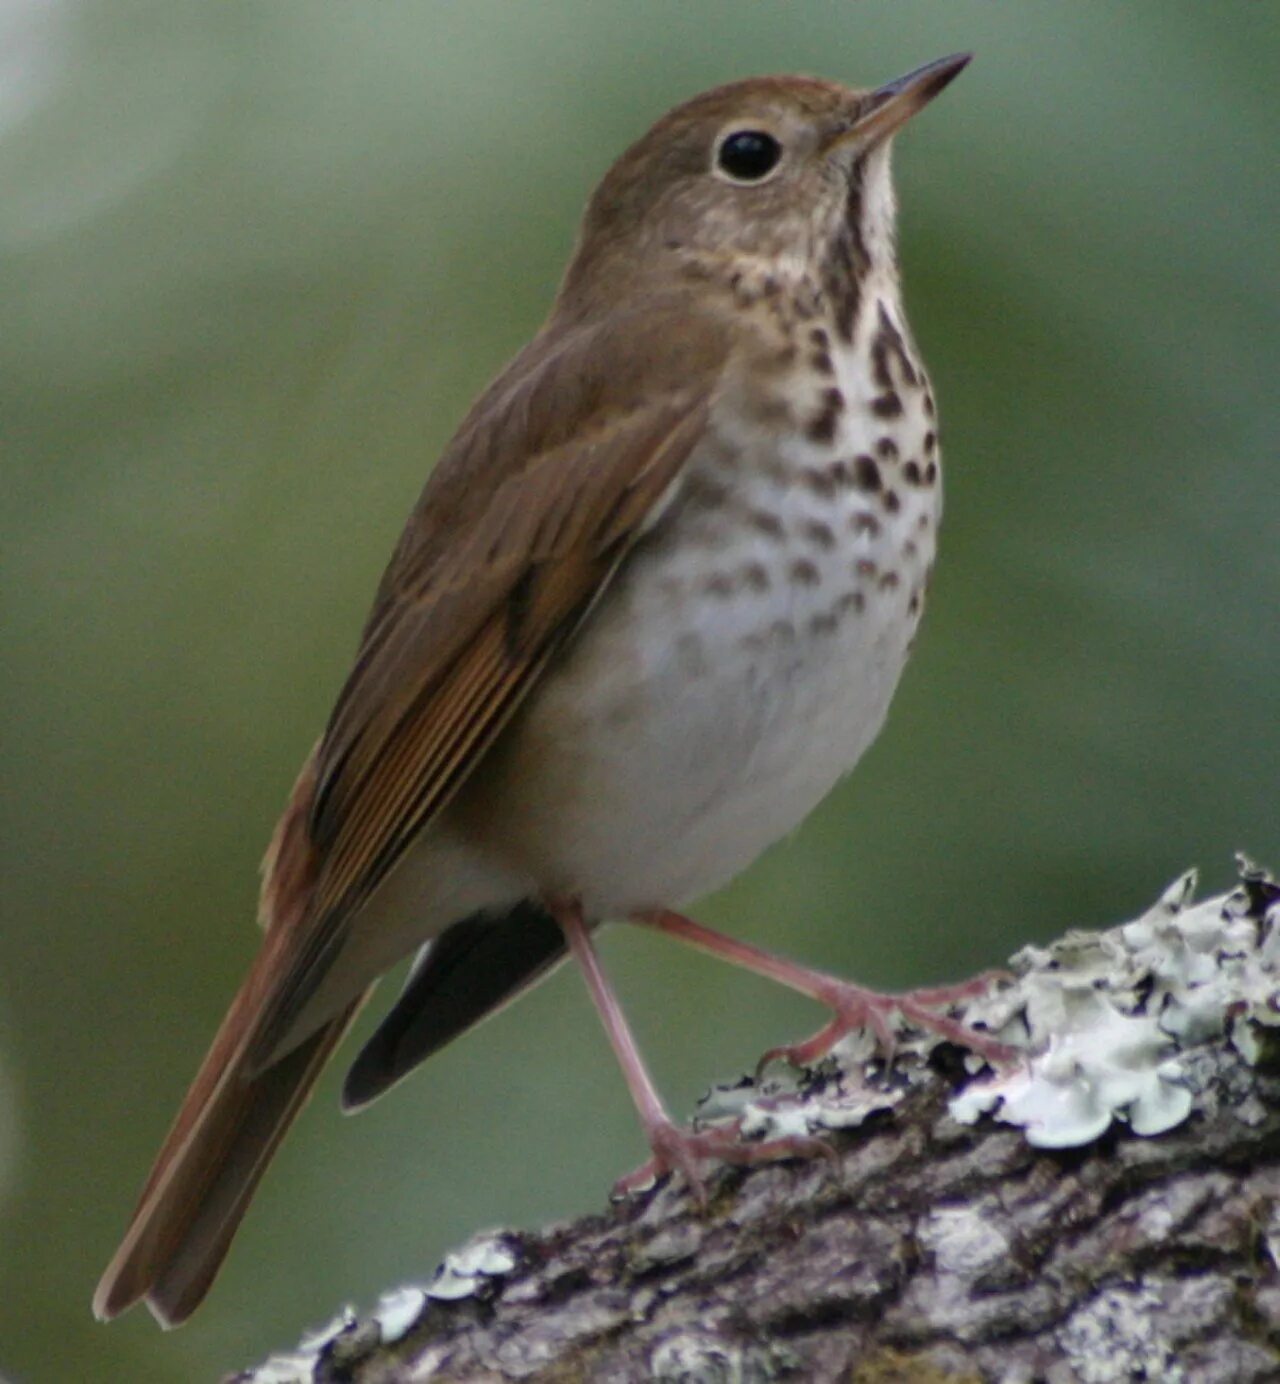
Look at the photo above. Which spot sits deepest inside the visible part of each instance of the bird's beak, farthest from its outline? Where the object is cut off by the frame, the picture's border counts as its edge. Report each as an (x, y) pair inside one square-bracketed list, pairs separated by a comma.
[(889, 107)]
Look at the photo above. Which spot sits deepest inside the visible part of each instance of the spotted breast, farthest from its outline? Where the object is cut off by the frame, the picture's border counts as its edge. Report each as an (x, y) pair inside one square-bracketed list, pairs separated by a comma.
[(749, 648)]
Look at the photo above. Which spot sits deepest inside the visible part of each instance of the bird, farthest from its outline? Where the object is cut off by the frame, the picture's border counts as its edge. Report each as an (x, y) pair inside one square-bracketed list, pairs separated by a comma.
[(651, 605)]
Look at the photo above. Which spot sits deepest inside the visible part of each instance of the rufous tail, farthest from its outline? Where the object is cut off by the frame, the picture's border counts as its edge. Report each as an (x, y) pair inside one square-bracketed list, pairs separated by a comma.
[(230, 1122), (208, 1169)]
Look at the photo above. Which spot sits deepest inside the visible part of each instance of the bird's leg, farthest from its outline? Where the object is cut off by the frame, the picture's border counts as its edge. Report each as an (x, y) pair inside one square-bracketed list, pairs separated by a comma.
[(852, 1006), (674, 1148)]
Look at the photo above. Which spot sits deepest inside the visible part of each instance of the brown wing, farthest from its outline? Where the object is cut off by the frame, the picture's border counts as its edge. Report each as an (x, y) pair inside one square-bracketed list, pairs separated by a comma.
[(548, 483)]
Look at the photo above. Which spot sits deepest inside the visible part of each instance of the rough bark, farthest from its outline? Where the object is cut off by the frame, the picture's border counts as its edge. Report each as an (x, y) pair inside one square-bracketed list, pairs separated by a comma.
[(927, 1250)]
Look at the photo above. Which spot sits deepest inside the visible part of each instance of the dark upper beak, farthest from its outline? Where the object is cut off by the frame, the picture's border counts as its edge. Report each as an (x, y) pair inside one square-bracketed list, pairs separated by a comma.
[(889, 107)]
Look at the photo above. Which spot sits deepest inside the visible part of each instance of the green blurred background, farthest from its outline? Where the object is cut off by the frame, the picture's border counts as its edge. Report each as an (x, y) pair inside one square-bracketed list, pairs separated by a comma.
[(254, 261)]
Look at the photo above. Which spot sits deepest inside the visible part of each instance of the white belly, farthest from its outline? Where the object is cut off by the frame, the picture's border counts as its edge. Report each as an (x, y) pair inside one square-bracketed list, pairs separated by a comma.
[(740, 664)]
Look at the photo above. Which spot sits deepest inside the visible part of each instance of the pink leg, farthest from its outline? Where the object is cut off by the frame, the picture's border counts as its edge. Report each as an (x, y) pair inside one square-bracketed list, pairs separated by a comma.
[(674, 1149), (853, 1006)]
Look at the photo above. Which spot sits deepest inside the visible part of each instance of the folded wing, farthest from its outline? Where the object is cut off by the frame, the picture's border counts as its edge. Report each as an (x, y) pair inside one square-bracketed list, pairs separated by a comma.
[(552, 478)]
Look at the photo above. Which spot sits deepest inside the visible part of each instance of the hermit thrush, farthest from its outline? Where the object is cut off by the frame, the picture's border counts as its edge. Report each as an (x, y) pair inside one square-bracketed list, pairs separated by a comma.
[(653, 602)]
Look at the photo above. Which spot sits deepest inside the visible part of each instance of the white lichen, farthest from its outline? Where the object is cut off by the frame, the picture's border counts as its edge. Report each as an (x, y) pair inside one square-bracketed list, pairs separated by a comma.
[(1103, 1017), (398, 1311), (1097, 1065), (299, 1366), (963, 1240), (314, 1341), (293, 1368), (464, 1272), (703, 1357), (1121, 1335), (1271, 1235), (1106, 1015), (468, 1270), (784, 1102)]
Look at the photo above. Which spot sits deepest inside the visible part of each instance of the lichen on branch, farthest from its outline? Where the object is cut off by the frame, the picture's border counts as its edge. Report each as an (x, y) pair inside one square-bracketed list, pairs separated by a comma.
[(1105, 1209)]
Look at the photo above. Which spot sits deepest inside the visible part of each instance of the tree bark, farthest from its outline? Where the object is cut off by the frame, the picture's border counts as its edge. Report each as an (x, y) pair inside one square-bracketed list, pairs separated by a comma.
[(929, 1249)]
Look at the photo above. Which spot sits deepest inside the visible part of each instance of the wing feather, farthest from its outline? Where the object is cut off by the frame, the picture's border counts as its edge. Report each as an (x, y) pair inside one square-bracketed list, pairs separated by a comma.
[(463, 630)]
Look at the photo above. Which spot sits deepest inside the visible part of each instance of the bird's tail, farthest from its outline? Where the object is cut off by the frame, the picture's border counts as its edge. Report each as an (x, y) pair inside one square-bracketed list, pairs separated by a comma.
[(207, 1170), (233, 1117)]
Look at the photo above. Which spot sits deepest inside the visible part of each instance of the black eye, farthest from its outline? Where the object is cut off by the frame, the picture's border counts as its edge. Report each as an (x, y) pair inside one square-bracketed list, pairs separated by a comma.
[(748, 155)]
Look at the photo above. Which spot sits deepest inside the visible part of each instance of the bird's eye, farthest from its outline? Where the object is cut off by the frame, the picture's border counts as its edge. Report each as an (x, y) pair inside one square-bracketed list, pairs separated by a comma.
[(747, 156)]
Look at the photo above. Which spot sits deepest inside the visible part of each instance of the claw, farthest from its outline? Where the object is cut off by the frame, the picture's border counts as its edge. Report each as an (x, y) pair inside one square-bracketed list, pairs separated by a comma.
[(681, 1150), (856, 1008), (807, 1053), (853, 1007)]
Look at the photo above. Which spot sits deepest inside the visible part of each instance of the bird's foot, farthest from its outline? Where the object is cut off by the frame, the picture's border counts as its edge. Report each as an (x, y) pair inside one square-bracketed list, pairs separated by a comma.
[(682, 1150), (854, 1007)]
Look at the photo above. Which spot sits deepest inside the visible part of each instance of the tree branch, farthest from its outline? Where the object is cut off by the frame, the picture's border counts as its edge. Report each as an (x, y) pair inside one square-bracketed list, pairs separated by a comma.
[(1109, 1209)]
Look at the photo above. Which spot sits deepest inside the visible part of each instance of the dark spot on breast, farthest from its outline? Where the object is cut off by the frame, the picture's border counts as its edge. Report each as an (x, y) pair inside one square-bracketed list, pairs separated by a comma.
[(820, 480), (785, 357), (911, 473), (889, 581), (867, 473), (719, 584), (895, 346), (824, 624), (846, 261), (771, 287), (864, 522), (922, 523), (865, 567), (819, 338), (880, 363), (891, 501), (819, 534), (909, 548), (930, 442), (822, 426), (887, 448), (773, 409), (913, 605), (887, 405), (820, 361), (851, 600), (928, 403), (766, 523), (931, 473), (756, 576), (805, 573), (777, 468)]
